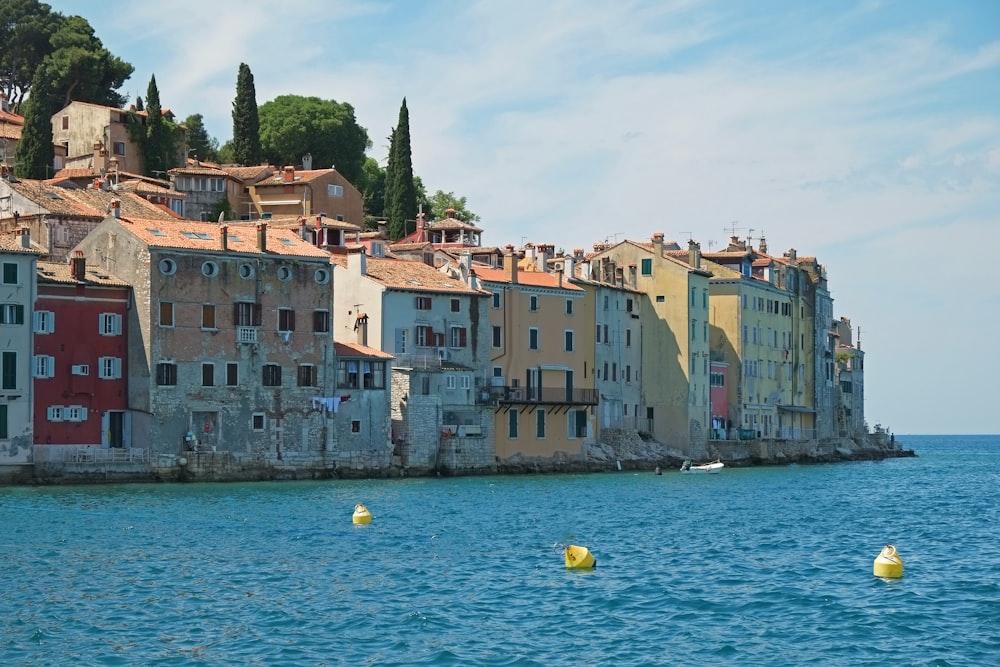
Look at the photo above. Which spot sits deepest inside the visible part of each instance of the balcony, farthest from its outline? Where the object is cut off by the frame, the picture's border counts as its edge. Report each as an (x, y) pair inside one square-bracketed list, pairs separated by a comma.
[(549, 395), (246, 334)]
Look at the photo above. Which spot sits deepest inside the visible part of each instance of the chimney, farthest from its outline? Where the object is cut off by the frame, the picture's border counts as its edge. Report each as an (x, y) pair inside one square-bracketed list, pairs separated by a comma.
[(262, 236), (116, 208), (694, 254), (78, 266), (466, 260), (791, 254), (25, 235), (357, 261), (510, 265), (763, 245), (578, 253), (224, 237), (307, 162), (569, 263), (289, 174), (361, 326), (473, 280), (620, 276), (658, 244)]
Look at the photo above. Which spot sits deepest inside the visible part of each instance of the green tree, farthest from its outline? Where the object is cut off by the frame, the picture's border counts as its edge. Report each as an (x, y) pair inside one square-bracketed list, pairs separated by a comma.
[(371, 185), (441, 201), (246, 120), (158, 145), (199, 142), (83, 69), (35, 154), (138, 103), (292, 126), (226, 155), (401, 191), (26, 26)]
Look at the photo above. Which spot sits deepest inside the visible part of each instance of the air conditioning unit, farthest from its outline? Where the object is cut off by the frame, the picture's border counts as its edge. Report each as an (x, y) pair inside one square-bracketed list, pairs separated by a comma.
[(515, 394), (443, 353), (80, 369)]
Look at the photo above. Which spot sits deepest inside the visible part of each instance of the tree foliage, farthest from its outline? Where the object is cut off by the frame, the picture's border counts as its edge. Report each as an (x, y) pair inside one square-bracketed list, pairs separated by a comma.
[(199, 143), (35, 154), (400, 192), (158, 138), (292, 126), (246, 120), (371, 185), (441, 201), (80, 67)]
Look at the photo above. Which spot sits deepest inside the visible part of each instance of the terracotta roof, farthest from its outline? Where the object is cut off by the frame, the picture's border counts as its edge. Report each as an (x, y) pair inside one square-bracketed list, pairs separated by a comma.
[(295, 222), (248, 173), (60, 273), (452, 223), (401, 274), (9, 117), (403, 247), (204, 236), (201, 169), (358, 350), (75, 172), (146, 187), (10, 131), (11, 243), (278, 178), (529, 278)]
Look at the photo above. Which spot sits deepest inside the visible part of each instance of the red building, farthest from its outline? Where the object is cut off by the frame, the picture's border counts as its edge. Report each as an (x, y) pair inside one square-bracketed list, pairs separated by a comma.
[(80, 355)]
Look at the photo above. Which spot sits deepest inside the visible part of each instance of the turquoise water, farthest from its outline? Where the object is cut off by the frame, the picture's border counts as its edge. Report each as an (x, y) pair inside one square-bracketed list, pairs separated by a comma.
[(760, 566)]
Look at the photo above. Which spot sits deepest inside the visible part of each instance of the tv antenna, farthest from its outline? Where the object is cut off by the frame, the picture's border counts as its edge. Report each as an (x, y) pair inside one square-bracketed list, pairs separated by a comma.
[(732, 228)]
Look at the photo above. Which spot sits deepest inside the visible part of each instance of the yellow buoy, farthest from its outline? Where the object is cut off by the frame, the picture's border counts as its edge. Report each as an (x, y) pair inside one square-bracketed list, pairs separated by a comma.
[(888, 564), (579, 557), (361, 514)]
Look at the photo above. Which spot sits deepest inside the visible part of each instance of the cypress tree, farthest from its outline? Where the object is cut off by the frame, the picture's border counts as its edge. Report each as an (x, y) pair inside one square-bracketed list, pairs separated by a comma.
[(35, 154), (401, 193), (246, 122), (157, 144)]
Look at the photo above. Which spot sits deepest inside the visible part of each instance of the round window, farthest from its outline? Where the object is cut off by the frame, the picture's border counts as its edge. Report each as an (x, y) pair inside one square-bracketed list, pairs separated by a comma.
[(168, 267), (246, 271), (284, 273), (210, 269), (322, 276)]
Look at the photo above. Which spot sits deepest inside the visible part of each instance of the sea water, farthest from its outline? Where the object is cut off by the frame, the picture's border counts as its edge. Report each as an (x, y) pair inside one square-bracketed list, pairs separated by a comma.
[(754, 566)]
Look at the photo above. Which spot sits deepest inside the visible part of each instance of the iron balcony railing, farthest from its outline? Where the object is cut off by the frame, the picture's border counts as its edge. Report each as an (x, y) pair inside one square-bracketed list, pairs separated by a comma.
[(551, 395)]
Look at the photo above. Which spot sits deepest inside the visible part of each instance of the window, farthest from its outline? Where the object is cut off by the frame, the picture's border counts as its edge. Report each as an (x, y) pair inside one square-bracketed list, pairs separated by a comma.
[(456, 305), (533, 338), (75, 413), (272, 375), (119, 148), (692, 296), (660, 298), (247, 271), (512, 424), (258, 421), (307, 375), (496, 299), (497, 337), (53, 414), (628, 338), (334, 190), (355, 426), (208, 375), (322, 276), (569, 306), (232, 374), (401, 340), (569, 341), (246, 314), (109, 368), (65, 124), (373, 374), (166, 374), (286, 320), (45, 321), (209, 269), (577, 424), (4, 433), (539, 423), (424, 336), (321, 321), (449, 381), (533, 301), (166, 313), (628, 373), (284, 273), (44, 366), (647, 267), (347, 374), (628, 305), (208, 316), (458, 337), (9, 372), (109, 324), (11, 313), (597, 338), (423, 303), (168, 267)]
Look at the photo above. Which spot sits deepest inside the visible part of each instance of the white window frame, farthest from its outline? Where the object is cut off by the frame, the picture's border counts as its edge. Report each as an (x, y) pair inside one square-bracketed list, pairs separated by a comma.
[(109, 324), (44, 322), (334, 190), (44, 366), (109, 368), (55, 413), (75, 413)]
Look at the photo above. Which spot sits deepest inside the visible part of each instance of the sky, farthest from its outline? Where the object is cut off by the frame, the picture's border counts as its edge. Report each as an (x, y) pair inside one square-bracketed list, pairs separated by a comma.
[(864, 133)]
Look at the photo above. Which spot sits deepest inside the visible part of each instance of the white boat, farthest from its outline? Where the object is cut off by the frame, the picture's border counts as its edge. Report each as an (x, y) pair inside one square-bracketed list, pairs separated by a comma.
[(715, 466)]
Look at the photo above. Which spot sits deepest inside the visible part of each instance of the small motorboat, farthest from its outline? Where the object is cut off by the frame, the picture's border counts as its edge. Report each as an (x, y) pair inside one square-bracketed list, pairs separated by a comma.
[(715, 466), (361, 514)]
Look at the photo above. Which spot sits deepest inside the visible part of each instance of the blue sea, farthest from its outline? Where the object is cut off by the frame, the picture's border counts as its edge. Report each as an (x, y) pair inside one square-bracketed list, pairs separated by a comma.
[(754, 566)]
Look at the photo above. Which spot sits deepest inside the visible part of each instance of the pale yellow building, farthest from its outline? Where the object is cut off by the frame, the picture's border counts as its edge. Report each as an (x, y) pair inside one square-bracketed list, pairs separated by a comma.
[(541, 343)]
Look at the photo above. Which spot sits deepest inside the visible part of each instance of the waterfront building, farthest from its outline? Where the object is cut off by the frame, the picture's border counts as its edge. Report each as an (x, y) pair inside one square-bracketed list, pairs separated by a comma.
[(675, 343), (80, 361), (541, 370), (436, 328), (850, 389), (229, 339), (18, 283), (307, 192)]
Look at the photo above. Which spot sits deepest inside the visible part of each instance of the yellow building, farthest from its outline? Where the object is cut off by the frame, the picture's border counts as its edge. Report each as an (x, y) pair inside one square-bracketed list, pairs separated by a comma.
[(675, 341), (541, 342)]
